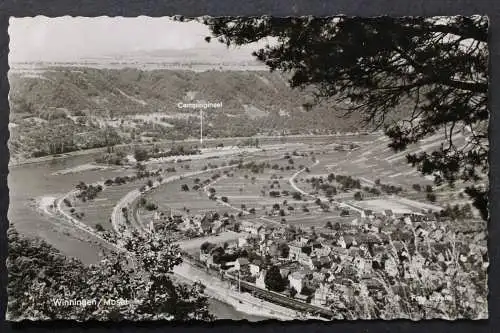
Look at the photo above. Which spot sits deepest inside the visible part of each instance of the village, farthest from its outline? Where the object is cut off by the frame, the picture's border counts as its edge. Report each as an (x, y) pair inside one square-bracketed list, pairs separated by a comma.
[(322, 268)]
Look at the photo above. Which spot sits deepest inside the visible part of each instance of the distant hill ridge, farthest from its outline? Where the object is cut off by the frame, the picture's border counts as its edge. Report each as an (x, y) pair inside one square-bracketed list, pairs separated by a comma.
[(261, 99)]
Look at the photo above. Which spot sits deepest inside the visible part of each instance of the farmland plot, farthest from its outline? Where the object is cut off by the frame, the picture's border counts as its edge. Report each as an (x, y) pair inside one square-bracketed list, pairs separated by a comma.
[(252, 190), (171, 196), (98, 210)]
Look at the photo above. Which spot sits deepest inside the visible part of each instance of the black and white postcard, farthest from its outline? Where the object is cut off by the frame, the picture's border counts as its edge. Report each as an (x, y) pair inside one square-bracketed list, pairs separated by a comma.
[(207, 168)]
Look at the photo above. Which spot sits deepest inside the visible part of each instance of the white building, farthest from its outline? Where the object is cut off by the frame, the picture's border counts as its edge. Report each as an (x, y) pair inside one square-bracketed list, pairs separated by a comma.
[(306, 260), (260, 281), (303, 240), (391, 267), (251, 228), (320, 295), (296, 280), (255, 267), (242, 241)]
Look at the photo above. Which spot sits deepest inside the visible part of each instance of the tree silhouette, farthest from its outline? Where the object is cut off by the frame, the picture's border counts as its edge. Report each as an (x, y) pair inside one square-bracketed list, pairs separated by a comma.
[(413, 77), (358, 196), (148, 285), (274, 281)]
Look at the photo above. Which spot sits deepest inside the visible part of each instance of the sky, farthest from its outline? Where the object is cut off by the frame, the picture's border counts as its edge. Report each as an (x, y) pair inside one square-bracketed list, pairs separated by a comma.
[(71, 39)]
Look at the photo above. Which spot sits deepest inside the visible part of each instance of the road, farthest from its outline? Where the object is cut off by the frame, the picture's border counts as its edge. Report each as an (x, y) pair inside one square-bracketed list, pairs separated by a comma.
[(283, 300), (117, 216)]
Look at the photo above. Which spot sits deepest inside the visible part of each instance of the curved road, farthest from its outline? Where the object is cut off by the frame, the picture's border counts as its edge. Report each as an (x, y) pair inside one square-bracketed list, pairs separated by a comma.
[(117, 217)]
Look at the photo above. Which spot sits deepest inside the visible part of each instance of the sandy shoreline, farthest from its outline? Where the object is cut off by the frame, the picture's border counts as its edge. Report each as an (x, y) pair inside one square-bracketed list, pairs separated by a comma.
[(81, 168), (45, 204)]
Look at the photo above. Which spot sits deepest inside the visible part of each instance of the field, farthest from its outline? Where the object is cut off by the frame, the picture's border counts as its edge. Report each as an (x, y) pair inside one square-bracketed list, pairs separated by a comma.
[(267, 190), (374, 162), (397, 205), (98, 210), (246, 189)]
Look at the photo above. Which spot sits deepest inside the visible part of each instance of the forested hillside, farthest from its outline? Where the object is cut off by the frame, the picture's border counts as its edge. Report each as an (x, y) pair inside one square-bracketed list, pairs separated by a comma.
[(78, 108)]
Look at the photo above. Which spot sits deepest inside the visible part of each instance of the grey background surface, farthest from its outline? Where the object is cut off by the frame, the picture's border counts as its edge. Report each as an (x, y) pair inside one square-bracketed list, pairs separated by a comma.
[(53, 8)]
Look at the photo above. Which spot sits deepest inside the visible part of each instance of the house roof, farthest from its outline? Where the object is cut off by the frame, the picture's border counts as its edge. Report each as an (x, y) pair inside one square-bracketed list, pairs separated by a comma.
[(298, 275), (325, 270), (257, 262), (339, 250), (368, 238), (246, 223), (242, 261), (324, 259), (398, 245), (218, 223), (348, 239), (291, 265)]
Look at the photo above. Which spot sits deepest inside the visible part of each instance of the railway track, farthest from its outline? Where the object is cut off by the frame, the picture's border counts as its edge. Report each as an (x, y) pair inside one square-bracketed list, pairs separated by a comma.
[(268, 295), (285, 301)]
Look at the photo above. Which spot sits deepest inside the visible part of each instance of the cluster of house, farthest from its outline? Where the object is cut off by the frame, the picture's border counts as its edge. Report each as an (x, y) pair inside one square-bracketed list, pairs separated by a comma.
[(203, 224), (211, 223), (315, 267), (406, 215)]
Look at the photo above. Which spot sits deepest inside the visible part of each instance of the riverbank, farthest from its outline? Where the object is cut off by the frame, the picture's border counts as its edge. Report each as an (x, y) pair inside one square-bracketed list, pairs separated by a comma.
[(18, 161)]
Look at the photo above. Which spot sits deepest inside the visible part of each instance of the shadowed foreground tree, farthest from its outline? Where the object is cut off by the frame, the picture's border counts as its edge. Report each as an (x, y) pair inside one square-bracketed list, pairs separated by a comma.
[(41, 279), (413, 77)]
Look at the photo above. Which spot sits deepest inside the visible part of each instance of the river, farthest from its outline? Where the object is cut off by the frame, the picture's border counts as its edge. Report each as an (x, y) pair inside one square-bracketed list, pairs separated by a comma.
[(30, 181)]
